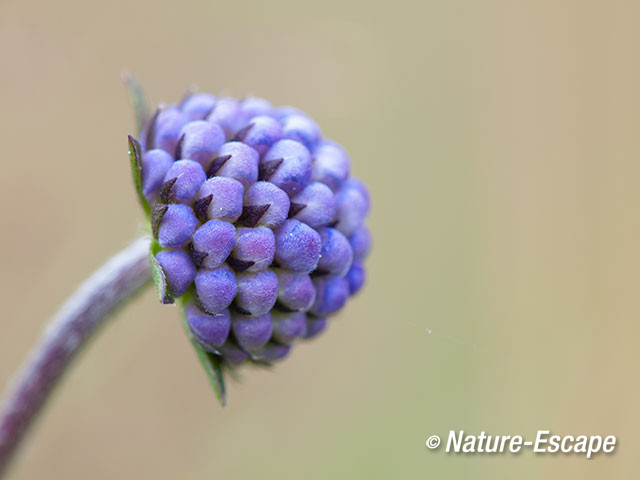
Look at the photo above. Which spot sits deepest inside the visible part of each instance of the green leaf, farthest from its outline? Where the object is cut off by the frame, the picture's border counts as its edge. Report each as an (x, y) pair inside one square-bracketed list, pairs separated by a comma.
[(212, 363), (138, 100), (159, 277), (135, 158)]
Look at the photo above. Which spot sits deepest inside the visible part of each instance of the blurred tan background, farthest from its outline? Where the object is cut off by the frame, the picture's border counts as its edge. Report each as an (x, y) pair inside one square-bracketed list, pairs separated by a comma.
[(500, 143)]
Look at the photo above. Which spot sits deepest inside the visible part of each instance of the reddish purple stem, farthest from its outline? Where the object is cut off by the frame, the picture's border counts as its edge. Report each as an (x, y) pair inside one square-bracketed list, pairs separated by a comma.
[(85, 311)]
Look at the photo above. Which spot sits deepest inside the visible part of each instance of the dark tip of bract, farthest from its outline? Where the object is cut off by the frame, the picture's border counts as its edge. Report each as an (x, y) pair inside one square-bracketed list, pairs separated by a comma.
[(157, 212), (242, 133), (269, 168), (197, 256), (166, 191), (283, 308), (200, 207), (216, 165), (239, 265), (178, 152), (252, 214), (333, 224), (241, 310), (151, 132), (318, 273), (296, 208)]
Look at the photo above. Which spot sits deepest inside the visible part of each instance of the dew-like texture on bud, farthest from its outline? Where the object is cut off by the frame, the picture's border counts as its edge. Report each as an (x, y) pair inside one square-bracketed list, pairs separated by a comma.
[(176, 226), (336, 254), (356, 276), (331, 295), (297, 246), (212, 243), (252, 106), (296, 291), (199, 141), (164, 130), (198, 106), (215, 288), (252, 332), (331, 165), (287, 164), (209, 330), (315, 205), (257, 292), (264, 204), (257, 222), (315, 325), (182, 181), (228, 115), (254, 249), (288, 326), (302, 129), (236, 160), (352, 206), (178, 268), (155, 165), (360, 242), (219, 197), (261, 132)]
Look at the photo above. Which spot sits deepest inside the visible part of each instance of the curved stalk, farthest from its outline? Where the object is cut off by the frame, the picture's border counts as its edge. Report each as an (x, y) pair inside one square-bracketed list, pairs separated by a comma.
[(84, 312)]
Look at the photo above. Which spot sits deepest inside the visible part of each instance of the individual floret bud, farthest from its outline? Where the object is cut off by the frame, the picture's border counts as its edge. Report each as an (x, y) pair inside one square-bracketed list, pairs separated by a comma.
[(356, 277), (260, 133), (254, 249), (287, 164), (295, 290), (182, 182), (236, 160), (199, 141), (331, 295), (198, 106), (164, 130), (264, 205), (297, 246), (315, 325), (228, 115), (212, 243), (282, 112), (178, 269), (288, 326), (173, 225), (352, 206), (336, 254), (211, 331), (257, 292), (272, 352), (215, 289), (302, 129), (360, 242), (252, 106), (251, 332), (219, 197), (331, 165), (155, 165), (232, 354), (315, 205)]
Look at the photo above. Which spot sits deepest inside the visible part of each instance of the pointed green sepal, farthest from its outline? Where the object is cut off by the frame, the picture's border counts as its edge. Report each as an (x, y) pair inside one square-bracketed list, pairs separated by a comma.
[(211, 363), (159, 278), (138, 100), (135, 158)]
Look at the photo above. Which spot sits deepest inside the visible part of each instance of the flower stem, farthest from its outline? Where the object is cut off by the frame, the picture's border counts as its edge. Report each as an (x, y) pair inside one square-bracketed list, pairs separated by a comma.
[(85, 311)]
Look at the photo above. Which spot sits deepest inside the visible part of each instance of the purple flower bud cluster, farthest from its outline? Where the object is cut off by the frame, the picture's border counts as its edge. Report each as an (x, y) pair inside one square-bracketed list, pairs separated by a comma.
[(257, 219)]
